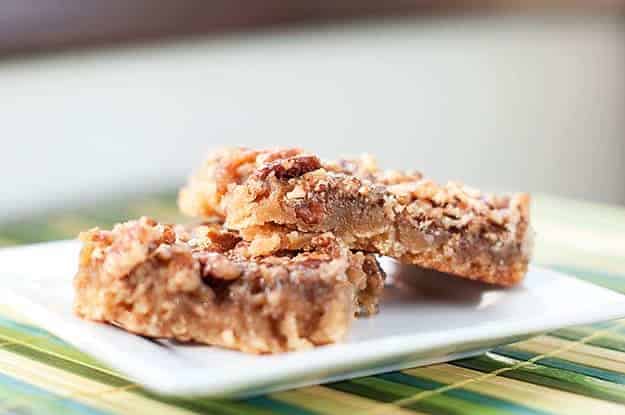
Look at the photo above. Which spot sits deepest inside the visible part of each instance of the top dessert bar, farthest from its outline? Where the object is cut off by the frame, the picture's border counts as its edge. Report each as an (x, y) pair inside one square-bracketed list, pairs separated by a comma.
[(275, 196)]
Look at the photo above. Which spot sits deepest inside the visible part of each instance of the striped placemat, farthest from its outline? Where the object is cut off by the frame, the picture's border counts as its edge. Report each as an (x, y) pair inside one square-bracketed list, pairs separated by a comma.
[(577, 370)]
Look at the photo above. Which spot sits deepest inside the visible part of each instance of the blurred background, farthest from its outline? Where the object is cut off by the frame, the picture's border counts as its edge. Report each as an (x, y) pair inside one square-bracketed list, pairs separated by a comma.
[(115, 100)]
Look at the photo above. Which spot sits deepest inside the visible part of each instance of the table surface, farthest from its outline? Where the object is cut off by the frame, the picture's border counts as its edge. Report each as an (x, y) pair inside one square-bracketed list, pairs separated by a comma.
[(573, 370)]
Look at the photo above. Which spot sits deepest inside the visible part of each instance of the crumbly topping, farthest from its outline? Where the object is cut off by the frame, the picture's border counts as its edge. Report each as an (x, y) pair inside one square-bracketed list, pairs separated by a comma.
[(454, 203), (217, 253)]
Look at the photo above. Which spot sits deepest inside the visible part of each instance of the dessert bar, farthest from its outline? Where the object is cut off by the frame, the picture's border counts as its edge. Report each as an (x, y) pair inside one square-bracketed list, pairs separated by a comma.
[(203, 284)]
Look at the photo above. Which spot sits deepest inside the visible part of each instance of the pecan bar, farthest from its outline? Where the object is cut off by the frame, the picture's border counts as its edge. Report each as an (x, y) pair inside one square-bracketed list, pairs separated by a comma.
[(202, 284), (269, 194)]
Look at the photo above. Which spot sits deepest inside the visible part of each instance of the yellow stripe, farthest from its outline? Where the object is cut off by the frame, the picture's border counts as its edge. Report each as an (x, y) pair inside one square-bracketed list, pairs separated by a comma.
[(6, 241), (587, 330), (121, 399), (549, 253), (329, 401), (588, 240), (522, 393), (33, 345), (594, 213), (46, 377), (69, 385), (591, 244), (69, 225), (164, 212), (583, 353), (10, 314)]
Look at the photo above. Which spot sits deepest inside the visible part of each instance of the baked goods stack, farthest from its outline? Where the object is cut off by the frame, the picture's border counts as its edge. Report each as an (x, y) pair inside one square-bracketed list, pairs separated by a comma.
[(281, 255)]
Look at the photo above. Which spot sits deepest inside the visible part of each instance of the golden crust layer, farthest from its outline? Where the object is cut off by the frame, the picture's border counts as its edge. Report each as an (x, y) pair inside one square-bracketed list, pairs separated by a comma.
[(204, 285), (269, 194)]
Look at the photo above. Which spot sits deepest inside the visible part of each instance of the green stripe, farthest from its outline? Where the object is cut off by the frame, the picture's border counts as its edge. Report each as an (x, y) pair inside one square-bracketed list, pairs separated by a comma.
[(357, 388), (612, 340), (20, 397), (207, 405), (61, 225), (67, 365), (160, 208), (387, 391), (615, 282), (49, 345), (12, 326), (569, 212), (547, 376), (29, 232), (603, 325), (4, 242), (563, 364), (582, 272), (463, 394), (277, 407)]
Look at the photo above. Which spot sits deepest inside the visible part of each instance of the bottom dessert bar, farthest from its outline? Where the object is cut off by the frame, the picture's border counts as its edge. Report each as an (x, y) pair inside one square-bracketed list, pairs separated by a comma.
[(203, 285)]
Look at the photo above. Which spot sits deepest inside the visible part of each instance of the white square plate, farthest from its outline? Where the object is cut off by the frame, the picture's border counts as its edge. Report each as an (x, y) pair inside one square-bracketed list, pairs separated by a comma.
[(437, 318)]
